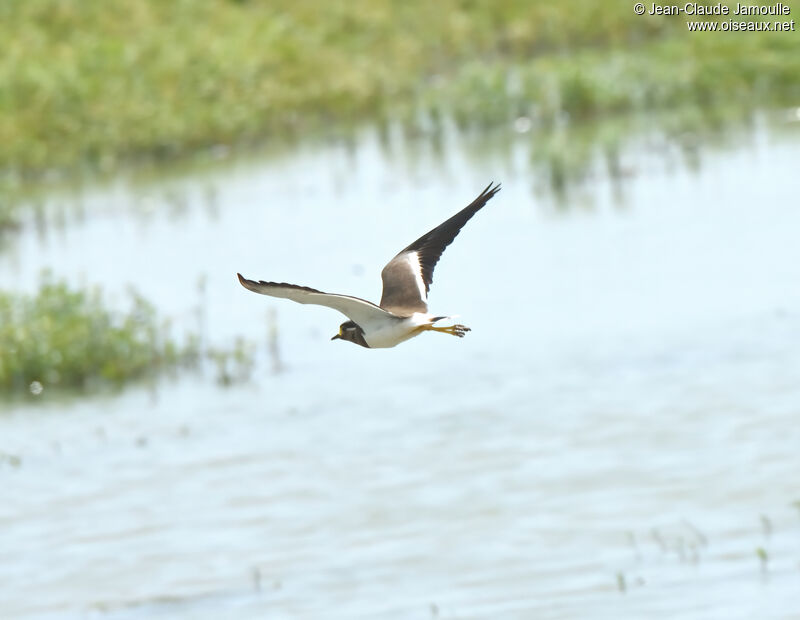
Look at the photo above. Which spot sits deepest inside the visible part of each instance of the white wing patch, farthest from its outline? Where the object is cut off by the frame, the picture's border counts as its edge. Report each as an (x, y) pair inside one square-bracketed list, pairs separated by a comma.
[(416, 268), (355, 309)]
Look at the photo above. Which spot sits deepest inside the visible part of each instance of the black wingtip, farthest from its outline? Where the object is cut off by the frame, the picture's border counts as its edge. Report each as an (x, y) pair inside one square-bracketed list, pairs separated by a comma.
[(491, 191)]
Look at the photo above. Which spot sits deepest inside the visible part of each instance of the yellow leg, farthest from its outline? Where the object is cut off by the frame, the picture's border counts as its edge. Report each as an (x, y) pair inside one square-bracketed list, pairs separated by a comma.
[(453, 330)]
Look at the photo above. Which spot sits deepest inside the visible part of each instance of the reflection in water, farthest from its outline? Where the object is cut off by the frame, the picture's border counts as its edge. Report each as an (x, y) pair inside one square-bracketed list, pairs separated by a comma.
[(617, 437), (563, 160)]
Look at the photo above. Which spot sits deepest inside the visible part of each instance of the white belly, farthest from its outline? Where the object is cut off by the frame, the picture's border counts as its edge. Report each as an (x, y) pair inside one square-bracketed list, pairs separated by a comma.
[(387, 334)]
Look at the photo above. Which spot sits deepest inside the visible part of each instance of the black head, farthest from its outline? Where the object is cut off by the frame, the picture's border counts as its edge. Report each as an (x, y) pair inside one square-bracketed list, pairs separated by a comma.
[(352, 333)]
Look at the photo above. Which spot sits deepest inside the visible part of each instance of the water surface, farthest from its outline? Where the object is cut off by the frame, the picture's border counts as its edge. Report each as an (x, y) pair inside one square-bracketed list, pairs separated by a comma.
[(617, 437)]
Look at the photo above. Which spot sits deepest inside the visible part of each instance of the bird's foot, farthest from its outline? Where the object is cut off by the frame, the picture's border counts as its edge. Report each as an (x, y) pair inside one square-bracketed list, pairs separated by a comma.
[(453, 330)]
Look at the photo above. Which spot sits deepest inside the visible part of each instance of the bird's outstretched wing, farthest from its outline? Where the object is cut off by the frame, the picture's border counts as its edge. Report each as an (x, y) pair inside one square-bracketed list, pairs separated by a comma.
[(408, 276), (359, 310)]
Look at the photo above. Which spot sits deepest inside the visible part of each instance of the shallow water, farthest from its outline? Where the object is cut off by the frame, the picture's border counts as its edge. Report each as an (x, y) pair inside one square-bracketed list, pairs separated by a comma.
[(617, 437)]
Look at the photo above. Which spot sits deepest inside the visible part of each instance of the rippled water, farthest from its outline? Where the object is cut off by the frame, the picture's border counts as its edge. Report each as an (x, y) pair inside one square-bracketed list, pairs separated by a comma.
[(617, 437)]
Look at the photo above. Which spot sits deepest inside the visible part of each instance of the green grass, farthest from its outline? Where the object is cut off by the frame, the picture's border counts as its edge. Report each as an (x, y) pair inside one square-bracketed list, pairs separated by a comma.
[(90, 82), (65, 337), (88, 85), (698, 72)]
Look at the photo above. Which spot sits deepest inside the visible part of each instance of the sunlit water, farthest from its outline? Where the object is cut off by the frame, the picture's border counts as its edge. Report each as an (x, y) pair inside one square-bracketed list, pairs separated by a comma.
[(619, 435)]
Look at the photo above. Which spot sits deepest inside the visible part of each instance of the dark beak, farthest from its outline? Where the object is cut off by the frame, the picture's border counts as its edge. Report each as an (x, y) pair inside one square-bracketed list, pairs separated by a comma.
[(335, 337)]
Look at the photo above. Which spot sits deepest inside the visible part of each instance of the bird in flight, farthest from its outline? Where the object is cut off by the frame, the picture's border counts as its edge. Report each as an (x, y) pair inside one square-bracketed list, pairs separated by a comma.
[(403, 311)]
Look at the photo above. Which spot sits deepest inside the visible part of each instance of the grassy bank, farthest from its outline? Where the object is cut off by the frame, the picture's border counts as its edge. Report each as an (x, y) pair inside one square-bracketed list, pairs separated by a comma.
[(88, 84)]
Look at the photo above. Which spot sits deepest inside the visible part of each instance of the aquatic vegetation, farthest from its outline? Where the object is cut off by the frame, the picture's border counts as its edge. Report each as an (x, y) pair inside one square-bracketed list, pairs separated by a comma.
[(89, 85), (66, 337), (69, 337), (763, 558), (12, 460), (8, 220), (233, 365)]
